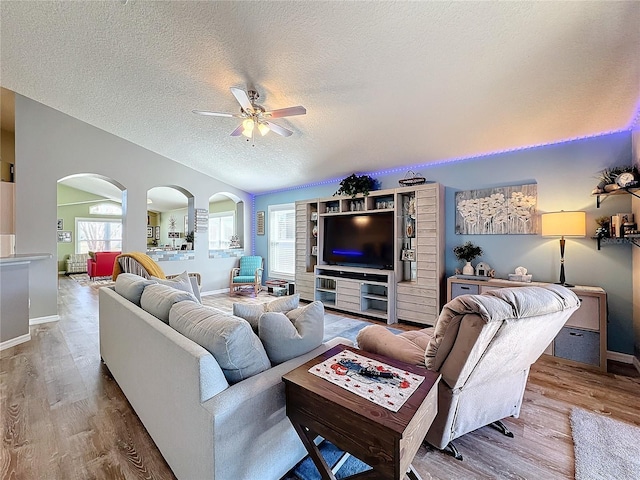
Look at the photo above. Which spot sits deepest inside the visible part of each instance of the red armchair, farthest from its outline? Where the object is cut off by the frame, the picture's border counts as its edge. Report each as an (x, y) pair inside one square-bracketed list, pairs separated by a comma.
[(102, 264)]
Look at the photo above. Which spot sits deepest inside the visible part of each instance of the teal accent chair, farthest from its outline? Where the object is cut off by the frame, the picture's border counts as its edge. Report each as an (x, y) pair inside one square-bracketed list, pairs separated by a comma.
[(248, 274)]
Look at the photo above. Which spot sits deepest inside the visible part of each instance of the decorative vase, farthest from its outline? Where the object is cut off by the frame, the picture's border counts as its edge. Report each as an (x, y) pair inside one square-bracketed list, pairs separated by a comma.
[(314, 231), (468, 269)]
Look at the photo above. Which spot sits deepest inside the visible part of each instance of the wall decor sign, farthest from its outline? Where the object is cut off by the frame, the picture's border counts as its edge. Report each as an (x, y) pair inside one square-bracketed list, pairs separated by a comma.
[(60, 224), (65, 237), (149, 232), (260, 222), (497, 211), (202, 220)]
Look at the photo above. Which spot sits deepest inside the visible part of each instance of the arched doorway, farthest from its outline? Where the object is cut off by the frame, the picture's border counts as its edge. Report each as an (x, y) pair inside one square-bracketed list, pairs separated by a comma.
[(226, 223), (89, 219), (170, 221)]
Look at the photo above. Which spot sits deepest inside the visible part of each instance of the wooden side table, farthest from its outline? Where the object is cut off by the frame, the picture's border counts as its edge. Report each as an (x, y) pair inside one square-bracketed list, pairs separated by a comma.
[(385, 440)]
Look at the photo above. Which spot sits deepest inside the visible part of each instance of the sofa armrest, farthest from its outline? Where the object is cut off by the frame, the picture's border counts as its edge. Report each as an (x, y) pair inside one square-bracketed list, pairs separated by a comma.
[(253, 413), (165, 377), (247, 390)]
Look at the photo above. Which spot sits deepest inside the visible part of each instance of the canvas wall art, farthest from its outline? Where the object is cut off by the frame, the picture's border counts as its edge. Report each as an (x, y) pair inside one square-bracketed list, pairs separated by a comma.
[(497, 211)]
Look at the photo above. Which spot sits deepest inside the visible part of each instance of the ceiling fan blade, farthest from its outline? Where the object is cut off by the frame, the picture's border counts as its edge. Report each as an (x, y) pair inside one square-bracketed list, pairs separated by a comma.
[(243, 99), (285, 132), (286, 112), (238, 131), (215, 114)]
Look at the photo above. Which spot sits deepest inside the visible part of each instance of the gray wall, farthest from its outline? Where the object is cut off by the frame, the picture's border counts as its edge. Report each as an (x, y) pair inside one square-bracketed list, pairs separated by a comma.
[(565, 174), (51, 145)]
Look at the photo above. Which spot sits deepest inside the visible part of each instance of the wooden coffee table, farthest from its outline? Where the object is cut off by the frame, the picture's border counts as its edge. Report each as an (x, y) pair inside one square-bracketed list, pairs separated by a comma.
[(385, 440)]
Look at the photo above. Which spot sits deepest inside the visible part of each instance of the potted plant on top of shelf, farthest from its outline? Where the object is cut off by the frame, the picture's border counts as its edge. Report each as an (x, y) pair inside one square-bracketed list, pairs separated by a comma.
[(355, 184), (467, 252)]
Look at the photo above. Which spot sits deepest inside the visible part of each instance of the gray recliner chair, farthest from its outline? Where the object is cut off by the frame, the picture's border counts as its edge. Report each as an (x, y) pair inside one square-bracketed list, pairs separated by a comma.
[(483, 346)]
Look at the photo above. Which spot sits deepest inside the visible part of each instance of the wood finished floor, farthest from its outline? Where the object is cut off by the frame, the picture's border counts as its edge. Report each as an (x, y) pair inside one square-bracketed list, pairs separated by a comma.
[(64, 417)]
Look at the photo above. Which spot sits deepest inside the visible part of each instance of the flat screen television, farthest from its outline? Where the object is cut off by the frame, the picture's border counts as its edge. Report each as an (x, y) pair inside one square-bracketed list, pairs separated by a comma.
[(364, 240)]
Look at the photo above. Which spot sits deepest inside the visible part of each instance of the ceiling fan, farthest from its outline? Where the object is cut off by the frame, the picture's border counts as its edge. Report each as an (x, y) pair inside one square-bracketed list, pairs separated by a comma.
[(255, 116)]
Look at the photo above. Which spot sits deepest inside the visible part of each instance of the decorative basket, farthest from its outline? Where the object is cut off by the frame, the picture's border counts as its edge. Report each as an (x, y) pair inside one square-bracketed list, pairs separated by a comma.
[(411, 179)]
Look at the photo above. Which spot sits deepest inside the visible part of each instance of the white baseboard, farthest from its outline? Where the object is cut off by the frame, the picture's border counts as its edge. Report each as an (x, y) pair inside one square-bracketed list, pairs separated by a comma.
[(47, 319), (15, 341), (636, 363), (620, 357), (214, 292)]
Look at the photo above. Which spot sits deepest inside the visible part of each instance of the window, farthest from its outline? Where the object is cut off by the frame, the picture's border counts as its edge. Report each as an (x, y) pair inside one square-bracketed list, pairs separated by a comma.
[(105, 209), (98, 235), (221, 228), (282, 231)]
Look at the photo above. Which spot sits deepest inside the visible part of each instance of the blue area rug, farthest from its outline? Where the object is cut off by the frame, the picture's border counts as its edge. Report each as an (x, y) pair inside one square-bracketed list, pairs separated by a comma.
[(336, 325), (306, 470)]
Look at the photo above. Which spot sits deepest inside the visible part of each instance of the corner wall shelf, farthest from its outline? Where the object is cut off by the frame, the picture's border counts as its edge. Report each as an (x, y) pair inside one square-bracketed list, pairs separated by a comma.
[(629, 190)]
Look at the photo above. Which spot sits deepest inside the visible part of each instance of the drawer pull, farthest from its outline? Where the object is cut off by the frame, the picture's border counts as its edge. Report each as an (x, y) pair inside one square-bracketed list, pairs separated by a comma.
[(576, 334), (465, 288)]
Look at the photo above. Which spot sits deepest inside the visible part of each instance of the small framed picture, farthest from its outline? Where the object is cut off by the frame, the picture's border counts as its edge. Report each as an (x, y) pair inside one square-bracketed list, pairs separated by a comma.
[(260, 222), (314, 216), (65, 237), (157, 229), (60, 224), (314, 250), (149, 232), (409, 255)]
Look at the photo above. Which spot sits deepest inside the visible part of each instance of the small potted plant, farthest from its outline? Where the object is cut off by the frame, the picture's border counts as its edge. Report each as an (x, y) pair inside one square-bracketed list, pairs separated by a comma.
[(467, 252), (189, 237), (355, 184), (603, 226)]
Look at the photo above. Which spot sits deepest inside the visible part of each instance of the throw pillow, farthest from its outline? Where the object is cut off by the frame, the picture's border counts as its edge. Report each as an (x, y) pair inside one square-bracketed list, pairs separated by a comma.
[(283, 304), (229, 339), (130, 286), (250, 312), (158, 300), (284, 339), (181, 282)]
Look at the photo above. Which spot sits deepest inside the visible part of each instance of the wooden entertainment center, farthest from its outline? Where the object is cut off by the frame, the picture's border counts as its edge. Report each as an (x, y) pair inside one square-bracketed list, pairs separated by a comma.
[(410, 288)]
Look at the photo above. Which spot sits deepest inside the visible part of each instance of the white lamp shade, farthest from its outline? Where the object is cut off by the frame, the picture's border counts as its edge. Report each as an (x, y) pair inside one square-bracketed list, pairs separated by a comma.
[(564, 224)]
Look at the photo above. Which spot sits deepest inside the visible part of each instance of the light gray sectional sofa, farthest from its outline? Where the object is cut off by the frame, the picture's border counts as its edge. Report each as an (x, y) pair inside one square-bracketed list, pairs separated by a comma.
[(205, 425)]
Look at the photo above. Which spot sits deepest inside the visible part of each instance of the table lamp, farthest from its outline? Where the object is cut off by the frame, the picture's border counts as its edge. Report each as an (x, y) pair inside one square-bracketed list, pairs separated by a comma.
[(563, 224)]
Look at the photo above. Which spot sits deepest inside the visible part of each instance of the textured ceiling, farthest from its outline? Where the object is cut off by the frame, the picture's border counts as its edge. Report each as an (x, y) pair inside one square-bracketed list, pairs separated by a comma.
[(385, 84)]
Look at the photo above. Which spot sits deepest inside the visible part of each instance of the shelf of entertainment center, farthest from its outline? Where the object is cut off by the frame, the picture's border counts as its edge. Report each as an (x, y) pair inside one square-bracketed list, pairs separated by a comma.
[(365, 291)]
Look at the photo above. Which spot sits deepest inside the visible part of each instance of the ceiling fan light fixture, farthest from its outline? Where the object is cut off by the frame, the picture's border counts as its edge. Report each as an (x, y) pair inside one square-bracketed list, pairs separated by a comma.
[(263, 128), (255, 116), (248, 127)]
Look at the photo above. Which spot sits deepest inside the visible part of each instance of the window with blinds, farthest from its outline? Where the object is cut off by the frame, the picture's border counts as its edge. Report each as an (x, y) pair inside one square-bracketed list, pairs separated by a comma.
[(282, 232)]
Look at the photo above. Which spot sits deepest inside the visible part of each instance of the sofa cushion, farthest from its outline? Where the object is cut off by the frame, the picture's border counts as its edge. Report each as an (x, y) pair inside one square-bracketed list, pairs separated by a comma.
[(283, 304), (230, 340), (130, 286), (251, 311), (158, 300), (180, 282), (284, 339)]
